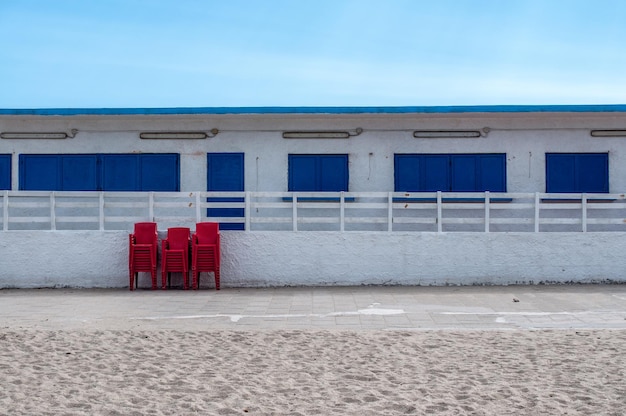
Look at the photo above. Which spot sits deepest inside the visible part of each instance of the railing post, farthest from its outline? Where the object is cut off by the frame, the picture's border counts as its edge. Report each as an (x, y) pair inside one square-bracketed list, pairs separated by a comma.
[(342, 201), (487, 212), (537, 208), (101, 210), (389, 212), (53, 218), (584, 212), (151, 206), (294, 212), (439, 213), (198, 211), (248, 212), (5, 211)]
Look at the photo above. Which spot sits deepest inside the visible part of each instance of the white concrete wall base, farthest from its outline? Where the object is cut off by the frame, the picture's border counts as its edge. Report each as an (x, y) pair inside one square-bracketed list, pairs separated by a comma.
[(329, 258), (33, 259), (38, 259)]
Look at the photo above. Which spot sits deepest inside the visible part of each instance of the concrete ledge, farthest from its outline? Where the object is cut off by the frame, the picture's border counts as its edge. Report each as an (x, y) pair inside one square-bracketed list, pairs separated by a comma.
[(329, 258), (32, 259)]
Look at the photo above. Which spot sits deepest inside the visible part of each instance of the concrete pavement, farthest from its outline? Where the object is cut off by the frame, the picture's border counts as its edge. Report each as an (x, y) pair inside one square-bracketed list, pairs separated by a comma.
[(323, 308)]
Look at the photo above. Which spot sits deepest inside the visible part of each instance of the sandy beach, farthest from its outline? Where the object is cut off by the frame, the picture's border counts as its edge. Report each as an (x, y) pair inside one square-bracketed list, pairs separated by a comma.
[(309, 372)]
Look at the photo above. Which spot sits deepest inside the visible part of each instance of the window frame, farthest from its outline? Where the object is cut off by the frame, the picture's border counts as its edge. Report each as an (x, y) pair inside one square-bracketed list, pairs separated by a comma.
[(320, 175), (576, 158), (96, 173), (451, 162), (6, 167)]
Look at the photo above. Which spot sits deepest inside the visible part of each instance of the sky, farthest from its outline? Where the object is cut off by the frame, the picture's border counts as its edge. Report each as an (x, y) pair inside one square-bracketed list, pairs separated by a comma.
[(285, 53)]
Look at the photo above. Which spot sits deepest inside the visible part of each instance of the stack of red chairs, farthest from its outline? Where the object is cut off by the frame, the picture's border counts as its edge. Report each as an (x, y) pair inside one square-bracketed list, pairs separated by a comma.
[(175, 255), (205, 252), (142, 254)]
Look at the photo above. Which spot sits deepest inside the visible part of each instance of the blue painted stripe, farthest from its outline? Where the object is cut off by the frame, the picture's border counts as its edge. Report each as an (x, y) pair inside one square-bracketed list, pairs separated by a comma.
[(585, 108)]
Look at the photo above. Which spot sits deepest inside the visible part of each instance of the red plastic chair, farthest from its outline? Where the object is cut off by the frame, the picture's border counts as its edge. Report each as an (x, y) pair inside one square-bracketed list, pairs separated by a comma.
[(175, 255), (142, 253), (205, 252)]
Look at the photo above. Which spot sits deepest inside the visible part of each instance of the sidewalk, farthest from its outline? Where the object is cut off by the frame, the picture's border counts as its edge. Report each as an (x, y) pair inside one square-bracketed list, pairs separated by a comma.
[(327, 308)]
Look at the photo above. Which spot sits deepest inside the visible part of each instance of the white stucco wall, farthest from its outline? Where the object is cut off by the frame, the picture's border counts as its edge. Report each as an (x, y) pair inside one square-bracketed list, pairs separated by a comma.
[(319, 258), (34, 259), (260, 259)]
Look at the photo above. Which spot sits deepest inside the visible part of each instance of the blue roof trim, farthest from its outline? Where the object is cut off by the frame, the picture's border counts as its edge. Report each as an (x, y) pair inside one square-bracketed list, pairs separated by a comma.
[(591, 108)]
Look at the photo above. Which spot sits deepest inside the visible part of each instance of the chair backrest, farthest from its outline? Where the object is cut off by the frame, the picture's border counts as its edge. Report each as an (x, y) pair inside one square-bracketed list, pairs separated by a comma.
[(178, 238), (145, 233), (207, 232)]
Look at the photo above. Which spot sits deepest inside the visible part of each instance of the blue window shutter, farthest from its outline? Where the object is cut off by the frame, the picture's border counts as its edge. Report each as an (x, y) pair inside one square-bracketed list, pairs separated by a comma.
[(159, 172), (593, 172), (478, 173), (58, 172), (318, 173), (226, 173), (141, 172), (577, 172), (303, 173), (560, 173), (435, 173), (5, 172), (40, 172), (421, 173), (491, 173), (464, 173), (333, 173), (407, 173), (450, 172), (109, 172), (79, 173), (120, 172)]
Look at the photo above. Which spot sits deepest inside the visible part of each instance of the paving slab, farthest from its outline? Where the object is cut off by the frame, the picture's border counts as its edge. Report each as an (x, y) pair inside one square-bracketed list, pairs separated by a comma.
[(332, 308)]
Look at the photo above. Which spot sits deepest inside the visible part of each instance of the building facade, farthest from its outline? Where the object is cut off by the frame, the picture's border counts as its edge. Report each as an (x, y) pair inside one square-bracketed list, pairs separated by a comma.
[(402, 168)]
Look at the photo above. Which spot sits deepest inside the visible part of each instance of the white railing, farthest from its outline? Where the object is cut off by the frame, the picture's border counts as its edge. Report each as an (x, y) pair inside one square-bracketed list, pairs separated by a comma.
[(327, 211)]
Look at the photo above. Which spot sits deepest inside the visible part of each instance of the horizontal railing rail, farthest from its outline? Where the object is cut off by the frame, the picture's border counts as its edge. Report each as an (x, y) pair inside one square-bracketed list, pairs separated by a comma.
[(316, 211)]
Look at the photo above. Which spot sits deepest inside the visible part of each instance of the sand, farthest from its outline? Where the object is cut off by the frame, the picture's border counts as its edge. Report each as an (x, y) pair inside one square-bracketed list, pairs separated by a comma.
[(312, 372)]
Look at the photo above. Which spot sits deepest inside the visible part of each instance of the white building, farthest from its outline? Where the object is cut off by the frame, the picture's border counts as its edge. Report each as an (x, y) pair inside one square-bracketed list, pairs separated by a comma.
[(325, 195)]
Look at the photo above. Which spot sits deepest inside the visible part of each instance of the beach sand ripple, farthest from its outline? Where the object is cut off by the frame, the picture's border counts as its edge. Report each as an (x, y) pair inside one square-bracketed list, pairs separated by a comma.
[(312, 372)]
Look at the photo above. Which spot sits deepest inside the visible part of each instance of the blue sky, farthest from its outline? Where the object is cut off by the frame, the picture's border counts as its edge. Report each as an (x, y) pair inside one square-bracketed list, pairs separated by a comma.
[(232, 53)]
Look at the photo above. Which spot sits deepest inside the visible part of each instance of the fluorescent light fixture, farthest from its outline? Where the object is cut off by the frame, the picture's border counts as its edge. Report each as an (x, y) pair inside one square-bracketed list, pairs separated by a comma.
[(10, 135), (439, 134), (316, 135), (321, 134), (178, 135), (608, 133)]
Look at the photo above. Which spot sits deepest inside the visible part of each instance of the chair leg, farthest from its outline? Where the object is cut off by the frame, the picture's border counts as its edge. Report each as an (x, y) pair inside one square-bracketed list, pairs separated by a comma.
[(217, 279), (132, 280), (163, 279), (154, 278)]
